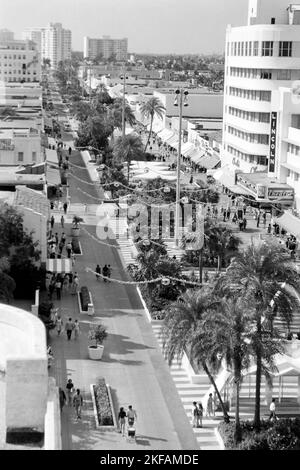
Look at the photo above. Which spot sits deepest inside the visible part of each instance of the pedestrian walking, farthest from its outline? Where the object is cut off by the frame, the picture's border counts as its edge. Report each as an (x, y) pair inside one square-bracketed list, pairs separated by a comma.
[(56, 238), (63, 238), (62, 399), (245, 223), (210, 406), (269, 229), (65, 206), (70, 150), (78, 402), (59, 325), (105, 272), (76, 329), (62, 221), (75, 284), (109, 271), (195, 415), (258, 221), (98, 271), (121, 419), (52, 220), (273, 416), (58, 286), (69, 249), (51, 290), (69, 326), (131, 415), (70, 389), (66, 283), (200, 408)]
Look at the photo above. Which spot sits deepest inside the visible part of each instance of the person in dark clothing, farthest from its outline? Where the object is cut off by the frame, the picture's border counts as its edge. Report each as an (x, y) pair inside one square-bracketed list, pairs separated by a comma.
[(65, 206), (245, 223), (70, 150), (62, 399), (51, 289), (52, 205), (258, 221), (98, 271), (105, 272), (52, 220)]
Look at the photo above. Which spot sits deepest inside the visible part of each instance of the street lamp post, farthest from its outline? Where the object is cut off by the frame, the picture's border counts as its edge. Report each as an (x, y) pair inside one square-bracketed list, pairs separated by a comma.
[(181, 100), (123, 103)]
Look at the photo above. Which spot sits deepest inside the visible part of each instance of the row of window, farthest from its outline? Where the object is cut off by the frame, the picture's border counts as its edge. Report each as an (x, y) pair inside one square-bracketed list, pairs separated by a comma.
[(21, 156), (293, 175), (14, 79), (14, 72), (255, 95), (263, 74), (252, 138), (256, 48), (14, 57), (256, 159), (294, 149), (14, 64), (249, 115)]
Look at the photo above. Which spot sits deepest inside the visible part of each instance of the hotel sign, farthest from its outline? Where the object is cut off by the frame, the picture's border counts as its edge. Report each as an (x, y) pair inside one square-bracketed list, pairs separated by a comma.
[(281, 194), (273, 142)]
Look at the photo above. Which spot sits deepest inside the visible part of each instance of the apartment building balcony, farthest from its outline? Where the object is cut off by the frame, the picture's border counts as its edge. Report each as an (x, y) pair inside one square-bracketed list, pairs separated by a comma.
[(253, 127), (293, 136), (248, 105), (245, 146)]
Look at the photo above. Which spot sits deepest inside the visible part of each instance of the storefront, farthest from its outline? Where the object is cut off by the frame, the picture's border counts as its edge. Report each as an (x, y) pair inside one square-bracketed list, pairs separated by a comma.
[(267, 192)]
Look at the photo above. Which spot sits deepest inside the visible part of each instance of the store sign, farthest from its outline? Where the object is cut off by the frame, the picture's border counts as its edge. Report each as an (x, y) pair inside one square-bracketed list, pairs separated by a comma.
[(273, 134), (286, 194)]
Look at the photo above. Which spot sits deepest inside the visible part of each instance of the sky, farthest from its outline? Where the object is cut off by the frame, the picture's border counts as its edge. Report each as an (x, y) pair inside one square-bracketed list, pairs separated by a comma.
[(151, 26)]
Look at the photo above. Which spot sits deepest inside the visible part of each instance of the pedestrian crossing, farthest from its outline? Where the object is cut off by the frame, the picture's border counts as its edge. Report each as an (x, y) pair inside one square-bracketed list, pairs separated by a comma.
[(188, 393)]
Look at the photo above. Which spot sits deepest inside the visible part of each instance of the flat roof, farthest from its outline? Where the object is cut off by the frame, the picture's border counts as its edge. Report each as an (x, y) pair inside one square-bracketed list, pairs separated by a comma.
[(262, 178)]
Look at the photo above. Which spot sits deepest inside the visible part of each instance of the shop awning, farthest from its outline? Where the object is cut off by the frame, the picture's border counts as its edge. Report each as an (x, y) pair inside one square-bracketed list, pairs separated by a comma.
[(51, 141), (186, 148), (165, 134), (63, 265), (51, 157), (290, 223), (209, 161), (53, 177), (225, 177), (197, 155), (173, 141)]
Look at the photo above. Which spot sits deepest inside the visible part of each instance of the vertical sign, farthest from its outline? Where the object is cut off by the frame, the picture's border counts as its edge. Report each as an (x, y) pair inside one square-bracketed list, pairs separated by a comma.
[(273, 142)]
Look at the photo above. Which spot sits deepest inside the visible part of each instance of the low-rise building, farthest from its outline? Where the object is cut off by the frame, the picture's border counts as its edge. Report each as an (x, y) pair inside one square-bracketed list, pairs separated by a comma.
[(20, 146), (20, 61)]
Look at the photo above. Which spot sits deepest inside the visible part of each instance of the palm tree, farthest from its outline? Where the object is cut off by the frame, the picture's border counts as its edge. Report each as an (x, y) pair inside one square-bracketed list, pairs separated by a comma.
[(183, 331), (264, 274), (230, 330), (127, 149), (220, 241), (153, 107)]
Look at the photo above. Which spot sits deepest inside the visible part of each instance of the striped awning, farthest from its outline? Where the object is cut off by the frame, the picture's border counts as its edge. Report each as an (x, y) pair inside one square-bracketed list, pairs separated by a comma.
[(63, 265), (186, 148)]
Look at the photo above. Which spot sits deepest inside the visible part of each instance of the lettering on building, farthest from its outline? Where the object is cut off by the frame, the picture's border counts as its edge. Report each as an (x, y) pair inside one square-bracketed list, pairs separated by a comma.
[(273, 135)]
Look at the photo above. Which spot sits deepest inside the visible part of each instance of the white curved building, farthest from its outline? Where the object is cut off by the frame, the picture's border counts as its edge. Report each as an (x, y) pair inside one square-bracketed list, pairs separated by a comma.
[(260, 58)]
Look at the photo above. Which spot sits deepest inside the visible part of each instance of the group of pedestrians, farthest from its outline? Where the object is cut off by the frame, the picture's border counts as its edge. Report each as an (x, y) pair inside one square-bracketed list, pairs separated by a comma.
[(105, 272), (72, 397), (60, 283), (198, 411)]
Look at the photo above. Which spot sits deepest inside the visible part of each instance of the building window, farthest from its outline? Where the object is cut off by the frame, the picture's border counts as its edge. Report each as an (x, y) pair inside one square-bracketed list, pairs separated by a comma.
[(285, 49), (20, 156), (255, 48), (266, 75), (34, 156), (284, 75), (267, 48)]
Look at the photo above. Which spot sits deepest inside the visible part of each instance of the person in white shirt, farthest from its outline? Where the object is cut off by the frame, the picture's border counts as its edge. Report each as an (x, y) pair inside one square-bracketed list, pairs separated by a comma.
[(273, 416)]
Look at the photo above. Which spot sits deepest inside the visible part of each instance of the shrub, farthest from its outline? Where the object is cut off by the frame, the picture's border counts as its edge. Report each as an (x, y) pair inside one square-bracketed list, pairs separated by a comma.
[(284, 435), (103, 405), (255, 442), (98, 333), (85, 298), (226, 431), (75, 246)]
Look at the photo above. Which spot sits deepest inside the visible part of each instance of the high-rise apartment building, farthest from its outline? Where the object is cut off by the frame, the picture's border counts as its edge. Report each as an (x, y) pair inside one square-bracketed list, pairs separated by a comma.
[(53, 41), (105, 47), (261, 58), (6, 35), (19, 61), (35, 35)]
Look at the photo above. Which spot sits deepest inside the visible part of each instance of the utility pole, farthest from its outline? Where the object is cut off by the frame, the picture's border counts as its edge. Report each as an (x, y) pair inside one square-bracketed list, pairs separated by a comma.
[(180, 94)]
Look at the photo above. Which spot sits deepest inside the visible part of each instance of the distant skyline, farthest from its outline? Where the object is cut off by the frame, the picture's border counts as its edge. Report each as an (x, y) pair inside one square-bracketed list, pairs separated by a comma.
[(151, 26)]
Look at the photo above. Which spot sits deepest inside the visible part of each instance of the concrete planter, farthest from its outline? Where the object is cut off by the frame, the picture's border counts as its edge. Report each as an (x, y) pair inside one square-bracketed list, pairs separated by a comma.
[(91, 310), (98, 426), (75, 231), (96, 353)]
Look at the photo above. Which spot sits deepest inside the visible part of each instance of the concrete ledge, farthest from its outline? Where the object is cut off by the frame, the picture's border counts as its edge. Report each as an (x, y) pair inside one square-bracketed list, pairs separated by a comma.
[(149, 318), (219, 438), (103, 428)]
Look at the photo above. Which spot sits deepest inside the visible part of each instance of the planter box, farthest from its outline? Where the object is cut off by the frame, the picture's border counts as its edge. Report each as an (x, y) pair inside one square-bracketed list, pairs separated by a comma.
[(79, 246), (90, 310), (96, 353), (75, 232), (98, 426)]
